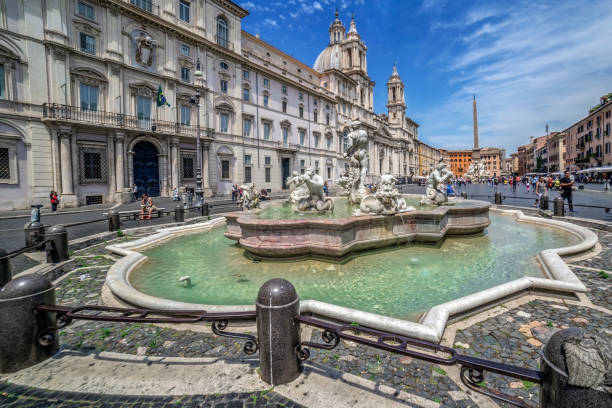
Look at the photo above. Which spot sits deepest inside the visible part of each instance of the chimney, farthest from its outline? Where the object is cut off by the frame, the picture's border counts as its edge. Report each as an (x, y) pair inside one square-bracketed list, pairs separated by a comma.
[(257, 36)]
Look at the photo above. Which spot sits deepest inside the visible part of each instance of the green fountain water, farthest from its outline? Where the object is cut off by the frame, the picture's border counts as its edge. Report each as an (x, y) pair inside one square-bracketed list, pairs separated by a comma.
[(400, 282)]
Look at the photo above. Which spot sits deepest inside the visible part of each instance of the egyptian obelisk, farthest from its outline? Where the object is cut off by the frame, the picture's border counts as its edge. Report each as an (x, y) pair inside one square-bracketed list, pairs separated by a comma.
[(476, 149)]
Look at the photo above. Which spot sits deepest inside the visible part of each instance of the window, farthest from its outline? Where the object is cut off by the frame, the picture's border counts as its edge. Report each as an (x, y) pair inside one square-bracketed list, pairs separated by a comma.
[(316, 102), (301, 111), (266, 82), (185, 50), (185, 115), (88, 43), (316, 139), (316, 116), (302, 137), (345, 142), (224, 66), (86, 10), (266, 127), (89, 97), (285, 136), (222, 32), (327, 119), (607, 150), (5, 167), (266, 100), (328, 172), (317, 166), (185, 74), (245, 74), (247, 159), (143, 111), (268, 172), (245, 94), (284, 106), (224, 119), (188, 172), (225, 169), (300, 96), (92, 164), (184, 10), (146, 5), (284, 89), (2, 83), (246, 127), (223, 86), (329, 142), (302, 166), (247, 168)]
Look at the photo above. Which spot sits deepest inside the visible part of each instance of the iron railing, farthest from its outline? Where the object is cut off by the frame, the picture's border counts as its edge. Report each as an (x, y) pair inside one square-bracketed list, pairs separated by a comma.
[(74, 113)]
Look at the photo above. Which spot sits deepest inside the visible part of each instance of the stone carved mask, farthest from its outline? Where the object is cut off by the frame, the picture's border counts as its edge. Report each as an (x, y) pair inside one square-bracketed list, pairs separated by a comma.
[(589, 361), (144, 52)]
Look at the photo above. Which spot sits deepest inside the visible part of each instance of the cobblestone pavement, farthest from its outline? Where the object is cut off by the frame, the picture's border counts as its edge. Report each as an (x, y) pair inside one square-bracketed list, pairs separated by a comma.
[(12, 395), (513, 336)]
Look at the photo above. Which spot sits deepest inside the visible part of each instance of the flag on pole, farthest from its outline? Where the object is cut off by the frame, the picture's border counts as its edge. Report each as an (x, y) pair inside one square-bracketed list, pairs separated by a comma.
[(161, 99)]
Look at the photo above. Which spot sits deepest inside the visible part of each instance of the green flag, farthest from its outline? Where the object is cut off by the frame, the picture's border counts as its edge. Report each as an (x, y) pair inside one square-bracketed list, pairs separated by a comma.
[(161, 99)]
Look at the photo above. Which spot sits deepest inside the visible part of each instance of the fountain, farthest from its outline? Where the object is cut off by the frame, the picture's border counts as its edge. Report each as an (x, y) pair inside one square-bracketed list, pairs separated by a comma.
[(371, 255)]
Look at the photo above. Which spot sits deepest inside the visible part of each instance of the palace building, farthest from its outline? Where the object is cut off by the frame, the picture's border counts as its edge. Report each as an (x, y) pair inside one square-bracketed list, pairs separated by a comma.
[(79, 111)]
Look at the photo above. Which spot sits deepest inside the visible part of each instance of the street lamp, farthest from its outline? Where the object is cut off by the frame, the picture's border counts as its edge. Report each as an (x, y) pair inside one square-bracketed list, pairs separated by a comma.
[(195, 100)]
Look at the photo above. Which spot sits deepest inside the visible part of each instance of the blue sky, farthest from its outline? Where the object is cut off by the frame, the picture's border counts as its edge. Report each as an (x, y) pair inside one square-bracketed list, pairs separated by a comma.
[(528, 62)]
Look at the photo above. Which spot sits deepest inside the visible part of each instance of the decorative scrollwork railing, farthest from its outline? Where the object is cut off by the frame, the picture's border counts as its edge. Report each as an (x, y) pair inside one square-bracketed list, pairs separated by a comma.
[(472, 368), (219, 321)]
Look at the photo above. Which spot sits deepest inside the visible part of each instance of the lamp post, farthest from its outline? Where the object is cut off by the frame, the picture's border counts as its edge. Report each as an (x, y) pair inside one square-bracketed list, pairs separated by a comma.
[(195, 100)]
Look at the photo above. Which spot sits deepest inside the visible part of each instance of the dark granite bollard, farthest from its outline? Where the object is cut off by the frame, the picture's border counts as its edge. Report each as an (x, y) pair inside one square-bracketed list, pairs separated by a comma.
[(277, 331), (6, 272), (21, 325), (498, 198), (205, 210), (57, 249), (558, 204), (34, 233), (179, 213), (574, 366), (464, 195), (114, 222), (544, 202)]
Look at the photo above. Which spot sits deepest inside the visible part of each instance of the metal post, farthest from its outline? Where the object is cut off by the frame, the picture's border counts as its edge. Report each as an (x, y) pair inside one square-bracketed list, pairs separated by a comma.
[(57, 248), (574, 368), (558, 204), (199, 193), (179, 214), (278, 333), (205, 210), (34, 233), (114, 221), (498, 198), (464, 195), (6, 273), (26, 337)]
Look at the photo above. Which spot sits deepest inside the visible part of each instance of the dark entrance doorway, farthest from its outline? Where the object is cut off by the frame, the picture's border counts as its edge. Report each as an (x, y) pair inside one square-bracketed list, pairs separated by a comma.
[(146, 169), (285, 162)]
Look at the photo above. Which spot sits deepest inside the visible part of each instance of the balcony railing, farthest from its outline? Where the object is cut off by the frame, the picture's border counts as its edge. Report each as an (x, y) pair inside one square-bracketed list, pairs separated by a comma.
[(112, 119), (224, 42), (146, 5)]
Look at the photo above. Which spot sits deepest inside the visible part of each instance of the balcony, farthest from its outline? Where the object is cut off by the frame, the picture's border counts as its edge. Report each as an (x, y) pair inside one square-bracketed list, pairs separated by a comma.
[(146, 5), (77, 115), (580, 146)]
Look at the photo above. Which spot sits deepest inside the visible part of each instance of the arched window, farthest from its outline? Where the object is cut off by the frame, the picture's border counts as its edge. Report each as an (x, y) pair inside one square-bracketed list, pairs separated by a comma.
[(222, 32), (345, 141)]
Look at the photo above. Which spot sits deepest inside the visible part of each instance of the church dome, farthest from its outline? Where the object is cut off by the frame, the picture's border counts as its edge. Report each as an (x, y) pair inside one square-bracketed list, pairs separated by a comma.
[(329, 58)]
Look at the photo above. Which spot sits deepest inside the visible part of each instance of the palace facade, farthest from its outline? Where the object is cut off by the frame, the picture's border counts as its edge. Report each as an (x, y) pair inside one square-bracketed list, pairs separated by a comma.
[(79, 82)]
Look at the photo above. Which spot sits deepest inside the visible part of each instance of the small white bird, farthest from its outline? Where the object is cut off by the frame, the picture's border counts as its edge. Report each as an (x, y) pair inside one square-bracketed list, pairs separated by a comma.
[(186, 279)]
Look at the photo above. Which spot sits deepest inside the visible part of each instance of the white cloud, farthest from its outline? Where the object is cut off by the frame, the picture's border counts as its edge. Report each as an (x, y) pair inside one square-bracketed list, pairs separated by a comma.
[(270, 22), (249, 5), (527, 69)]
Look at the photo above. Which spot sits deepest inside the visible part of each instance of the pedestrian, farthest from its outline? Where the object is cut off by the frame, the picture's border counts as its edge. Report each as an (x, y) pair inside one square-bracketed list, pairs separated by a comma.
[(175, 194), (53, 197), (234, 192), (527, 184), (135, 191), (541, 191), (325, 188), (566, 186), (146, 206)]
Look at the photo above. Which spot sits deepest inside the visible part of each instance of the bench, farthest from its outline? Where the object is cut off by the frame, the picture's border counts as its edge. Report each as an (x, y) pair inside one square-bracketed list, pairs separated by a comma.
[(136, 213)]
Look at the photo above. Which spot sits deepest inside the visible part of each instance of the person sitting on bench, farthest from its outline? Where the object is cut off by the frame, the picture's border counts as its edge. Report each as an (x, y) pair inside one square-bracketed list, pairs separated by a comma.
[(146, 206), (263, 195)]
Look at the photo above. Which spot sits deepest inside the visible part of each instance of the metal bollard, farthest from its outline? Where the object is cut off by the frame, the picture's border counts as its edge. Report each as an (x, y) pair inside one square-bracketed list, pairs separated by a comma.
[(26, 337), (498, 198), (573, 367), (558, 205), (57, 248), (464, 195), (179, 214), (205, 210), (114, 221), (6, 272), (277, 331), (34, 233)]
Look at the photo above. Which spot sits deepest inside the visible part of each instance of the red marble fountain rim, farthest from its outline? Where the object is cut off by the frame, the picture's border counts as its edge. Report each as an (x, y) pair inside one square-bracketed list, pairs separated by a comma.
[(474, 206)]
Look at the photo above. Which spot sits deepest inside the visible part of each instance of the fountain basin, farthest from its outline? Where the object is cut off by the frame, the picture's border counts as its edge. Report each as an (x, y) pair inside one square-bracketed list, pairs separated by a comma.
[(337, 237)]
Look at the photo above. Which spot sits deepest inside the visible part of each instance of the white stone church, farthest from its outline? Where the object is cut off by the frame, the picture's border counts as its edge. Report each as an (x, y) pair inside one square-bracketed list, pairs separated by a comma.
[(79, 82)]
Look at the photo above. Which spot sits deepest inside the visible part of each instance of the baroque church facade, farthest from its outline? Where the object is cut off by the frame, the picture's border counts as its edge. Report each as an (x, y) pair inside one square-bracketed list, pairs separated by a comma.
[(79, 81)]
